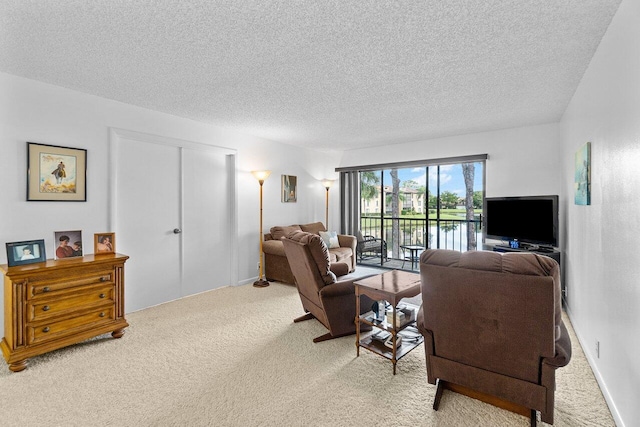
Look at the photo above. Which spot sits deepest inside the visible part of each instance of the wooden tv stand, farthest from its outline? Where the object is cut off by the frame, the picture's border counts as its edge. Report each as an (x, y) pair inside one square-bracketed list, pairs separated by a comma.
[(53, 304), (552, 253)]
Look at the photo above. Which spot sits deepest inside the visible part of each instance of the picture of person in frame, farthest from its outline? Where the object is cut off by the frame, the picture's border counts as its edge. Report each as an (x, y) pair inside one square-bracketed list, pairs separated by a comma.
[(104, 244), (69, 244), (27, 253), (77, 248), (64, 250)]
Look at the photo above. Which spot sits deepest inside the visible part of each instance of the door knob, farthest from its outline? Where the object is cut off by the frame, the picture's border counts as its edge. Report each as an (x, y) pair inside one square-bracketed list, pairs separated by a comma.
[(177, 231)]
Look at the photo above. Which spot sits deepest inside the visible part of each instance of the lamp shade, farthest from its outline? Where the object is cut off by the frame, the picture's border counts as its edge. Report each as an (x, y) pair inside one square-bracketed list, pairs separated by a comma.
[(261, 175), (327, 183)]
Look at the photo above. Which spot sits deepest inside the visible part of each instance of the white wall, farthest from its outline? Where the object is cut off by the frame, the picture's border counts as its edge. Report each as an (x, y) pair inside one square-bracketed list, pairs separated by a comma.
[(522, 161), (38, 112), (601, 253)]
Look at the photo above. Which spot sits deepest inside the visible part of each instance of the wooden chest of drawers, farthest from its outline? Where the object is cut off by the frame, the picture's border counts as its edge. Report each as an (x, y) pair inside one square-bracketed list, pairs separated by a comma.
[(54, 304)]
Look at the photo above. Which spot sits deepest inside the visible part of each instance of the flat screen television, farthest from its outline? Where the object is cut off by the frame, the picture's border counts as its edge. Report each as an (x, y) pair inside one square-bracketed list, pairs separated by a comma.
[(529, 219)]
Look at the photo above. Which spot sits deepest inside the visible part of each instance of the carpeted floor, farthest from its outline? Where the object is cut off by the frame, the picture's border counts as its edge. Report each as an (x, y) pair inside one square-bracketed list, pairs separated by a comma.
[(234, 357)]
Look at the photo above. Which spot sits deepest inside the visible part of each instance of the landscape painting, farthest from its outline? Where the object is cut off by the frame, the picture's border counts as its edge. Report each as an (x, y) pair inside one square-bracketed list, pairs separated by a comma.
[(582, 180), (56, 173)]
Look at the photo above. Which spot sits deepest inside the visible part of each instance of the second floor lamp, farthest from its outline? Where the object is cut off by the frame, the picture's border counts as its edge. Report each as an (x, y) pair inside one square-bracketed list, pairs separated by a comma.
[(327, 185), (261, 176)]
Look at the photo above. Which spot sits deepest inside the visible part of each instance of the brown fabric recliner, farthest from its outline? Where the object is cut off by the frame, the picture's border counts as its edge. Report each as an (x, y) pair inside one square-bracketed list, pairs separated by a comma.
[(324, 298), (493, 328)]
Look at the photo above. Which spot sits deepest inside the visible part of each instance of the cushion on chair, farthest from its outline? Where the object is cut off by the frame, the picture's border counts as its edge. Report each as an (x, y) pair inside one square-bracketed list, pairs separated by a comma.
[(314, 227), (339, 254), (279, 232), (330, 239), (319, 252)]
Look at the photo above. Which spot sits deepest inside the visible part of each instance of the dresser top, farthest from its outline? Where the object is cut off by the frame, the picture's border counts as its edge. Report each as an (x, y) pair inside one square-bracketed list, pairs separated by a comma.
[(63, 263)]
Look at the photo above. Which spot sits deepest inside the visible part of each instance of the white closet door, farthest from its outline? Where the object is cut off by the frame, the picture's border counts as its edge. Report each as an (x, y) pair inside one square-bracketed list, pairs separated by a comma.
[(148, 186), (164, 185), (207, 239)]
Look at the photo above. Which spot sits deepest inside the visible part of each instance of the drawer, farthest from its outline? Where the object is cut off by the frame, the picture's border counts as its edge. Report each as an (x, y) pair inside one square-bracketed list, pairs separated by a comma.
[(87, 297), (54, 330), (42, 287)]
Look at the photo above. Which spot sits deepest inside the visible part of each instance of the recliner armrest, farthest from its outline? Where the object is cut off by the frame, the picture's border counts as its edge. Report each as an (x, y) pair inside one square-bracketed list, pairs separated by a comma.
[(563, 349), (339, 268), (347, 241), (338, 289), (274, 247)]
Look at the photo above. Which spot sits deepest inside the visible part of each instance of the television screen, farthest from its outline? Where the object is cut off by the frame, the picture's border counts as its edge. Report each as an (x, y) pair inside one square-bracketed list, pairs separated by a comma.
[(532, 219)]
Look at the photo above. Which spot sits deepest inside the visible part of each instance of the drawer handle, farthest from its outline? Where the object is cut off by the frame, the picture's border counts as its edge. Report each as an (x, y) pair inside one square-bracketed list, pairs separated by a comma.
[(46, 329), (46, 289), (104, 279), (102, 295), (102, 314), (46, 308)]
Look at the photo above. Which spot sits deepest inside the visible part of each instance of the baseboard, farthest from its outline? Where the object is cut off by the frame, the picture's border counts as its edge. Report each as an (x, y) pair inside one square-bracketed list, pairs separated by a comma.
[(596, 373)]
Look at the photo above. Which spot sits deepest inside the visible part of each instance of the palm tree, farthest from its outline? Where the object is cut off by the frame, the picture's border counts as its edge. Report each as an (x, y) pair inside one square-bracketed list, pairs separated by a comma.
[(368, 185), (395, 213), (468, 170)]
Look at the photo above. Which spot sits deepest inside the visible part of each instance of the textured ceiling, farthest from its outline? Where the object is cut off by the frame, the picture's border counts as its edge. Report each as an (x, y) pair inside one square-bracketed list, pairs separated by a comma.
[(326, 74)]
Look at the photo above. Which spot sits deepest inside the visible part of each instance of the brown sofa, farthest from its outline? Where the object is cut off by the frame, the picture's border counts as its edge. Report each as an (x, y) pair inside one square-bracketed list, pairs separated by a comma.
[(493, 327), (276, 266)]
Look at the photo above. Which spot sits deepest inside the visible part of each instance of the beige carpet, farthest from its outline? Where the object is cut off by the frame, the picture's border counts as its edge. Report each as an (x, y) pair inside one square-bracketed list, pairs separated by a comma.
[(233, 357)]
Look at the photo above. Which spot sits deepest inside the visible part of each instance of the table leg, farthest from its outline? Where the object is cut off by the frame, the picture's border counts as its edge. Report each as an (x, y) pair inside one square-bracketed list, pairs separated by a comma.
[(394, 350), (357, 320)]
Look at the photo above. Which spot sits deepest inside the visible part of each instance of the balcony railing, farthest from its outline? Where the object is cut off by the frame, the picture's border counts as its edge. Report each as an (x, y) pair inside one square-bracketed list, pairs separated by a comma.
[(428, 233)]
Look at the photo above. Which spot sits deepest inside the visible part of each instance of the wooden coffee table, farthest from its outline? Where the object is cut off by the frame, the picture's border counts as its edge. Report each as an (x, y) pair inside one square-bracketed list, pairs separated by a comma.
[(391, 286)]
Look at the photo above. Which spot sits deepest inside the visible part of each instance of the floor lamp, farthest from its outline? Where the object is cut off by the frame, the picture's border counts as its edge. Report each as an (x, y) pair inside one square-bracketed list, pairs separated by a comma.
[(261, 176), (327, 184)]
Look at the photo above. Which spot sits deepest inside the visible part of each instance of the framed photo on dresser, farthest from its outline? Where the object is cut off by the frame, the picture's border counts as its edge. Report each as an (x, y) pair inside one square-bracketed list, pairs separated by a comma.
[(68, 244), (26, 252), (104, 243)]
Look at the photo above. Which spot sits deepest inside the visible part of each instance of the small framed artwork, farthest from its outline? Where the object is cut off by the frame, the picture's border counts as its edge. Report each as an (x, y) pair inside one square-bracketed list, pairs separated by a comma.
[(289, 188), (56, 173), (27, 252), (104, 243), (582, 177), (68, 244)]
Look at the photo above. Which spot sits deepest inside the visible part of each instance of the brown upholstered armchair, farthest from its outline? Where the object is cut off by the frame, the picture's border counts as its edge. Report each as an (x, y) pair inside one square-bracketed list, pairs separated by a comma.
[(324, 298), (493, 327)]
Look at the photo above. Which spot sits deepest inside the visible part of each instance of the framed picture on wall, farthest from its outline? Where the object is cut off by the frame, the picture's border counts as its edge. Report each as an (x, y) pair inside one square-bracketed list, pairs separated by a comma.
[(56, 173), (582, 180), (68, 244), (104, 243), (289, 188), (26, 252)]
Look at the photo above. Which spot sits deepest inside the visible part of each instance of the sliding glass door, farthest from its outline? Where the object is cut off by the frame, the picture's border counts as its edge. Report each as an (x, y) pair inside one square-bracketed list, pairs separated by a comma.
[(406, 209)]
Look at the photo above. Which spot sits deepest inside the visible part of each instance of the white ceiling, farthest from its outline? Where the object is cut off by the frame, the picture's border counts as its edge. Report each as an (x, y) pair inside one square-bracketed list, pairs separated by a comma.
[(325, 74)]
